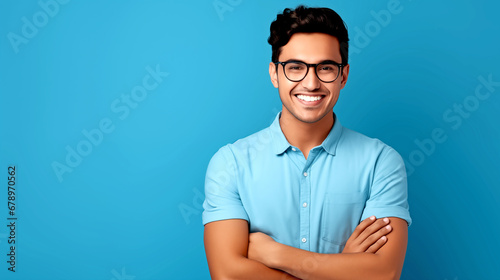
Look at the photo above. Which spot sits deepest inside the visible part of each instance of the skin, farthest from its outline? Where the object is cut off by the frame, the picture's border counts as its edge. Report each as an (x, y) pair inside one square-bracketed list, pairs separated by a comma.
[(377, 247), (382, 263), (226, 247), (233, 253), (307, 126)]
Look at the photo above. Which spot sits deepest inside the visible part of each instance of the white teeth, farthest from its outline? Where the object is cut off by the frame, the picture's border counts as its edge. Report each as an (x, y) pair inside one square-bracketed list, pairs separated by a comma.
[(309, 98)]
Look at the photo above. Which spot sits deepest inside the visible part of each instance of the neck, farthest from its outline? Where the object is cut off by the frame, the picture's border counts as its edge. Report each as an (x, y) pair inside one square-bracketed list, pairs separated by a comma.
[(305, 136)]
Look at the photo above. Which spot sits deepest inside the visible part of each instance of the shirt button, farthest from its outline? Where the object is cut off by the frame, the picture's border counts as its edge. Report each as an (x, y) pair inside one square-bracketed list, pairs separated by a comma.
[(305, 174), (293, 149), (304, 204), (304, 240)]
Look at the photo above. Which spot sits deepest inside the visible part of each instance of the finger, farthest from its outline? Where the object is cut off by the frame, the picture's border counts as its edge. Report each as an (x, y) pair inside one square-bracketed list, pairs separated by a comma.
[(376, 236), (377, 245), (363, 225), (374, 227)]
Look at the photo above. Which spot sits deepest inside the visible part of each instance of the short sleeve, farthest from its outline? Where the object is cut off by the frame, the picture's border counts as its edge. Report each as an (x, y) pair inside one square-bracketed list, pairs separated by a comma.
[(389, 191), (222, 200)]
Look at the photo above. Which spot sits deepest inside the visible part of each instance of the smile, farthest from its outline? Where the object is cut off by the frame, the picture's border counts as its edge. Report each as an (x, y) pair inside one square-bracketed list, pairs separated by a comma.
[(309, 98)]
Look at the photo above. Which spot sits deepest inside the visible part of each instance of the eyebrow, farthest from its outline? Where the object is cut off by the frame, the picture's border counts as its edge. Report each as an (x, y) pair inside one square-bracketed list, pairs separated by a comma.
[(321, 62)]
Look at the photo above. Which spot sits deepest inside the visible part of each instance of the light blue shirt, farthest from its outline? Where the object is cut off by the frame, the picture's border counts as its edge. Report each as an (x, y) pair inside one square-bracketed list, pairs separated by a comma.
[(312, 204)]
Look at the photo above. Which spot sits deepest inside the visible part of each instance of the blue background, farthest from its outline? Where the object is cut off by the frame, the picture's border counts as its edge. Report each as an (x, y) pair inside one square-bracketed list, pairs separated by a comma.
[(131, 208)]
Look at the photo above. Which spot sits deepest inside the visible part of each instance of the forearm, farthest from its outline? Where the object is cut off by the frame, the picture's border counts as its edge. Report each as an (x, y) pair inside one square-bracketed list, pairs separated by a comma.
[(309, 265), (370, 253), (246, 269)]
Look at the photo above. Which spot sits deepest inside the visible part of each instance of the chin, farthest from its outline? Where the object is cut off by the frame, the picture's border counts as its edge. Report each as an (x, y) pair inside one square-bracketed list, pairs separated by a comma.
[(307, 118)]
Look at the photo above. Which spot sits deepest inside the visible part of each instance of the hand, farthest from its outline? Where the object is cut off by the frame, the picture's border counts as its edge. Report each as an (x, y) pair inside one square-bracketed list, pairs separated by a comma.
[(260, 246), (369, 236)]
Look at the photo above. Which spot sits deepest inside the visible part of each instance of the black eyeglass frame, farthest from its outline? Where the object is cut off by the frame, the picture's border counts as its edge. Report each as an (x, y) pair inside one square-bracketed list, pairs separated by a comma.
[(339, 65)]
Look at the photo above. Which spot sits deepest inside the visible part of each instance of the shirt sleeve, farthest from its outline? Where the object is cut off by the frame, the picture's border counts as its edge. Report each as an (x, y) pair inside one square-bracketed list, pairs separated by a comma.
[(222, 199), (389, 191)]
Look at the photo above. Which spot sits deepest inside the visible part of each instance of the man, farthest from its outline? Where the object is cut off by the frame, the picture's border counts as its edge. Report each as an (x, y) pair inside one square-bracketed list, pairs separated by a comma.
[(298, 200)]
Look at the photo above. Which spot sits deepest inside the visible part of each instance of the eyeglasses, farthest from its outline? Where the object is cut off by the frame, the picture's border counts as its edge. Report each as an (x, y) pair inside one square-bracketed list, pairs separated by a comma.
[(327, 71)]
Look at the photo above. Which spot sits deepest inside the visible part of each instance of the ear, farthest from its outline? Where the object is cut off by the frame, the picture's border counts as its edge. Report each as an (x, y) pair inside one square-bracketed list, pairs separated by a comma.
[(273, 74), (345, 74)]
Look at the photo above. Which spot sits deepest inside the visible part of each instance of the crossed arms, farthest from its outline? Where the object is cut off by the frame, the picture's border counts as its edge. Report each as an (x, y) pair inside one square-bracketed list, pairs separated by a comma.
[(374, 251)]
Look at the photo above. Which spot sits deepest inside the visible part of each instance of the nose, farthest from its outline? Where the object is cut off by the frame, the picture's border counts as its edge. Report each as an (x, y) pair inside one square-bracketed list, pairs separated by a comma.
[(311, 81)]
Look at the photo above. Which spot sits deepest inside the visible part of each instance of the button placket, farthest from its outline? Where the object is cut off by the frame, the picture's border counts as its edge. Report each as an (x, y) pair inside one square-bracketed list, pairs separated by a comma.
[(305, 222)]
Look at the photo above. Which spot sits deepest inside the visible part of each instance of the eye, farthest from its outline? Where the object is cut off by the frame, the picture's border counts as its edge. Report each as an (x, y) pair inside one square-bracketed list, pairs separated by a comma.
[(295, 66), (326, 67)]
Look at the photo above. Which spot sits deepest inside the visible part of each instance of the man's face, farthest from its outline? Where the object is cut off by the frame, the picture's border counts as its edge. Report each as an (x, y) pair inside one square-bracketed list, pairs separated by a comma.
[(300, 98)]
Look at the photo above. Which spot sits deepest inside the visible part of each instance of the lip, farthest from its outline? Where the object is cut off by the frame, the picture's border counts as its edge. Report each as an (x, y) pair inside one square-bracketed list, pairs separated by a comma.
[(310, 103)]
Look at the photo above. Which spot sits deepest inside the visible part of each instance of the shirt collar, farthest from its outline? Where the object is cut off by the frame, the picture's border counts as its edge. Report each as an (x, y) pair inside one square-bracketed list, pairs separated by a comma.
[(333, 138), (280, 144), (279, 140)]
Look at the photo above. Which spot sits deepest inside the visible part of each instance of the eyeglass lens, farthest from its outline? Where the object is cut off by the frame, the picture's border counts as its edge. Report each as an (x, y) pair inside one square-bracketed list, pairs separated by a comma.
[(326, 72)]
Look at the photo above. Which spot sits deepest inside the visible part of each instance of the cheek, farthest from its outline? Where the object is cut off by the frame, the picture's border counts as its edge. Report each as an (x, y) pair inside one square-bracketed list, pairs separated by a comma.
[(284, 93), (334, 92), (285, 87), (335, 88)]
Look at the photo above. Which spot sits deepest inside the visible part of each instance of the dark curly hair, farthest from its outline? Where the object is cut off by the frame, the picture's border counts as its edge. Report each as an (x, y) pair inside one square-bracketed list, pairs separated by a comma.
[(307, 20)]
